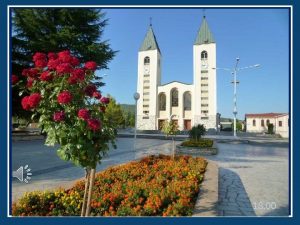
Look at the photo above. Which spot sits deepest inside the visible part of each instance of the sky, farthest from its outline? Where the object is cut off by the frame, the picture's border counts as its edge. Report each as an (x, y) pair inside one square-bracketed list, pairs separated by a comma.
[(256, 36)]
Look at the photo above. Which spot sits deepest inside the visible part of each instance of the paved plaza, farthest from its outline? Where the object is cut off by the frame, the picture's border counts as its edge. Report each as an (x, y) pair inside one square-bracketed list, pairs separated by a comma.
[(253, 177)]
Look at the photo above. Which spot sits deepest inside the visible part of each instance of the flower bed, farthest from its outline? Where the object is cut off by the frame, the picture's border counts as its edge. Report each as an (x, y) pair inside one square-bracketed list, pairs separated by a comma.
[(153, 186), (202, 143)]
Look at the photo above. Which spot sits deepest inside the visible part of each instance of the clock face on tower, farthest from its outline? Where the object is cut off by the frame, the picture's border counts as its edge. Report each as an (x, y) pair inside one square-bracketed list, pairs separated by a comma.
[(146, 69), (204, 64)]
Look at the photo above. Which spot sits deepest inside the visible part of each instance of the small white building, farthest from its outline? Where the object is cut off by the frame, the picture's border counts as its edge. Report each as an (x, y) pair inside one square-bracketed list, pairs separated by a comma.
[(258, 123), (186, 104)]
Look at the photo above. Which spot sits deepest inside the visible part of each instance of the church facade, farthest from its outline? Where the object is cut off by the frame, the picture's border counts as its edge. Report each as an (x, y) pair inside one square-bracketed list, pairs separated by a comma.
[(185, 104)]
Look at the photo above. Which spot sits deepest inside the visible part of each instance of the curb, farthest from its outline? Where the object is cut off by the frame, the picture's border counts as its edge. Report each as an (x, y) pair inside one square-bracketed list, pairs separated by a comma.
[(207, 201)]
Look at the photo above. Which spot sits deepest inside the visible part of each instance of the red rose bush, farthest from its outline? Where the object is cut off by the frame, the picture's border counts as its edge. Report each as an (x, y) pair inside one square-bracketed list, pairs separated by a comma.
[(63, 93)]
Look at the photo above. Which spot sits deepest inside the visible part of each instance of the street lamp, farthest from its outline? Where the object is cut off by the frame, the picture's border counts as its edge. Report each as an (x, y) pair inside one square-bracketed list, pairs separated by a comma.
[(235, 82), (136, 97)]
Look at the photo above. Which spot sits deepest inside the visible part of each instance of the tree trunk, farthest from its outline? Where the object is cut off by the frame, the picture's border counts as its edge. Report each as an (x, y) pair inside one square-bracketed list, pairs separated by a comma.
[(173, 142), (92, 179), (87, 179)]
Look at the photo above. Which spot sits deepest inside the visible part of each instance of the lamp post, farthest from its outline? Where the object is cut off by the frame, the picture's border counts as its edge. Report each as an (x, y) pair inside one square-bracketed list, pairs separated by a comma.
[(234, 72), (136, 97)]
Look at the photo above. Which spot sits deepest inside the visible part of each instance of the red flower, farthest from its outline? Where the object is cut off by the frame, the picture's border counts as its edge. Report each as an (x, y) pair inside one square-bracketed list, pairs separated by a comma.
[(72, 80), (91, 65), (104, 100), (40, 63), (15, 79), (97, 95), (83, 114), (29, 82), (39, 56), (90, 89), (59, 116), (102, 108), (25, 103), (32, 72), (64, 97), (94, 124), (34, 100), (79, 73), (65, 56), (52, 55), (64, 68), (46, 76), (53, 63), (75, 61)]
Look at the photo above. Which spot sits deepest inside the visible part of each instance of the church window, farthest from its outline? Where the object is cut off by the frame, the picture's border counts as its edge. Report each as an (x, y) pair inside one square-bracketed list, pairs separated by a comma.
[(280, 123), (162, 102), (254, 123), (268, 122), (262, 123), (146, 60), (187, 101), (203, 55), (174, 94)]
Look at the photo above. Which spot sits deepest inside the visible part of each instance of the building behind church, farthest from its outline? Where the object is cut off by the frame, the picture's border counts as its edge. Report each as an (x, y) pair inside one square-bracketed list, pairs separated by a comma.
[(186, 104)]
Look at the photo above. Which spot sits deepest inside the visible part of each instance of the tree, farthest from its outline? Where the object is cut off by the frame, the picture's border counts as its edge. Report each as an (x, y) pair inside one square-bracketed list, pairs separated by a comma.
[(53, 30), (114, 113), (170, 128), (196, 132), (70, 109), (270, 128)]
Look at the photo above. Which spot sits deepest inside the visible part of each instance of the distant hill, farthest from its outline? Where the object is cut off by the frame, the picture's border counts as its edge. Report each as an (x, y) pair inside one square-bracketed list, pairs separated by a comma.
[(128, 108)]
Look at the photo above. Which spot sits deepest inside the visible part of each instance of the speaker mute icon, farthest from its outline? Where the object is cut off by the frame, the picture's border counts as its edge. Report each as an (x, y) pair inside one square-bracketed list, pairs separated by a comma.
[(23, 174)]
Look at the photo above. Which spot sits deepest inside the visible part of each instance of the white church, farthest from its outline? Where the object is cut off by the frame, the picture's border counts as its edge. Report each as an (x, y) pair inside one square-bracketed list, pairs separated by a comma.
[(185, 104)]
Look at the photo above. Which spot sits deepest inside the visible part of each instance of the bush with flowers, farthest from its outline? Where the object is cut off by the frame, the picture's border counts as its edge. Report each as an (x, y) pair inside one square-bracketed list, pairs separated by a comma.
[(63, 94), (153, 186)]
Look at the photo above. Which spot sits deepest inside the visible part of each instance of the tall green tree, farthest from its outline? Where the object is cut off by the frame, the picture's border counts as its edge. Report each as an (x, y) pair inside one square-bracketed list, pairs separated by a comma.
[(54, 30), (114, 114)]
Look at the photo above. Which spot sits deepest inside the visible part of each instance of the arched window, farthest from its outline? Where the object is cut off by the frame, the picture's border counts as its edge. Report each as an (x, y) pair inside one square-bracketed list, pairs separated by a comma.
[(203, 55), (162, 101), (254, 123), (268, 122), (187, 101), (174, 97), (146, 60), (262, 123)]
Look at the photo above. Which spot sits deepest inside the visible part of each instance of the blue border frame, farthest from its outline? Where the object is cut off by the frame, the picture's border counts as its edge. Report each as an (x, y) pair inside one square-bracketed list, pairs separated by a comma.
[(3, 166)]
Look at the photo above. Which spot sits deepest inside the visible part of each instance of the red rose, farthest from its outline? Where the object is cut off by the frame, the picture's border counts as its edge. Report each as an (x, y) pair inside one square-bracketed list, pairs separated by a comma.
[(75, 61), (102, 108), (52, 55), (39, 56), (46, 76), (64, 97), (90, 89), (79, 73), (94, 124), (97, 95), (59, 116), (83, 114), (72, 80), (25, 103), (64, 68), (34, 100), (53, 63), (91, 65), (104, 100), (65, 56), (14, 79), (29, 82), (32, 72), (40, 63)]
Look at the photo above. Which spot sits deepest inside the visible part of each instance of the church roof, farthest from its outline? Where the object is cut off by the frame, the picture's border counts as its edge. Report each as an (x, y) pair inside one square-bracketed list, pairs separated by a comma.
[(204, 35), (149, 42)]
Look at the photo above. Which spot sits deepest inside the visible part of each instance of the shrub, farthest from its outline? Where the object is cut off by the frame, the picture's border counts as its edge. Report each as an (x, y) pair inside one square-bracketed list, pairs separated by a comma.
[(202, 143), (270, 128), (197, 131), (154, 186)]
